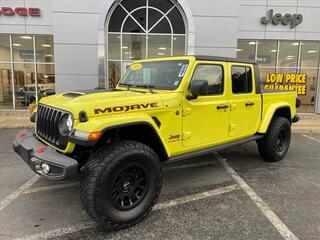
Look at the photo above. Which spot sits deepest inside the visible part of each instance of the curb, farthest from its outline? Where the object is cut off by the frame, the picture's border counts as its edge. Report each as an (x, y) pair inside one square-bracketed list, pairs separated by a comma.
[(307, 130)]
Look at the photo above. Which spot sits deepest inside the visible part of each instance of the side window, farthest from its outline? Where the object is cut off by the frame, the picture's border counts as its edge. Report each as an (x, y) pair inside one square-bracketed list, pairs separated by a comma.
[(213, 74), (241, 79)]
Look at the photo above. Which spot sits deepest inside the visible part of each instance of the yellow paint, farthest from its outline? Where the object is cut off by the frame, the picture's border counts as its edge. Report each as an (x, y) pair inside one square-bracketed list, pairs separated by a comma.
[(136, 67), (186, 125)]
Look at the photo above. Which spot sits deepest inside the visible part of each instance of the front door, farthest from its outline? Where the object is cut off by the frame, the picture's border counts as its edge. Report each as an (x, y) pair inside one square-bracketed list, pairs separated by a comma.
[(206, 118), (245, 103)]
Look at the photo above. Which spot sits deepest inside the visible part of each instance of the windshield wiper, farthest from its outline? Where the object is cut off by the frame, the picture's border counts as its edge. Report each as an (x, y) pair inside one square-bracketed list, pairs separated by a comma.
[(129, 85), (149, 87)]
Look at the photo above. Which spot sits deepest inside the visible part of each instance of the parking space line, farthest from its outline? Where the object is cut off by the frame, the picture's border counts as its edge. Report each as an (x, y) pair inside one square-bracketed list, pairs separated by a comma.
[(171, 203), (312, 138), (271, 216), (18, 192), (52, 187), (195, 197), (59, 231)]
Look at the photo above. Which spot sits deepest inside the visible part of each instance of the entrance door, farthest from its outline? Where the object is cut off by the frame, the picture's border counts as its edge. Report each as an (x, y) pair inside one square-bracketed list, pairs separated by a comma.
[(245, 108), (206, 118)]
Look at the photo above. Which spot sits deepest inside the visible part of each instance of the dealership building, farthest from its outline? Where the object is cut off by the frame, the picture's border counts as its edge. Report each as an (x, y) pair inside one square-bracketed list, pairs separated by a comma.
[(58, 45)]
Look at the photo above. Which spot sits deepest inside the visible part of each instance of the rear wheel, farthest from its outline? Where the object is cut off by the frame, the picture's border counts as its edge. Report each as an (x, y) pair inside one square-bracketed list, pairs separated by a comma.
[(275, 144), (120, 184)]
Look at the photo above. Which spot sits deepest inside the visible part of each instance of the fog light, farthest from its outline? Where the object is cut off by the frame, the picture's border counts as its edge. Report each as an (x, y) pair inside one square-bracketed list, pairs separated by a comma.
[(45, 168)]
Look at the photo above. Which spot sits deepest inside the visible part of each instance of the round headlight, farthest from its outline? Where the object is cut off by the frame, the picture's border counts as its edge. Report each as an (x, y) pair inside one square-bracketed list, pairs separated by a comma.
[(69, 123), (65, 124)]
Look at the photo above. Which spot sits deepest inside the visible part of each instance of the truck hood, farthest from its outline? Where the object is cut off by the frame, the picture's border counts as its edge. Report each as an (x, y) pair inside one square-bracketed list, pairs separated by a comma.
[(98, 103)]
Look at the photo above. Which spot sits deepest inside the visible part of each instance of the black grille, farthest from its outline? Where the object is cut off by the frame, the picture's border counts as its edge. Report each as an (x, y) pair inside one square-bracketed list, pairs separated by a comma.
[(48, 126)]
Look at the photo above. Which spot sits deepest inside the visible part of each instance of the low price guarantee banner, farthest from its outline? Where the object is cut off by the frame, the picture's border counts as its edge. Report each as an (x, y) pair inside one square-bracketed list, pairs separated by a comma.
[(287, 81)]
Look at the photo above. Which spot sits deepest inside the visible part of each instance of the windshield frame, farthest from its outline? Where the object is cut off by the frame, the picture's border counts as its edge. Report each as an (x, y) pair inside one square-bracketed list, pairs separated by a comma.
[(152, 87)]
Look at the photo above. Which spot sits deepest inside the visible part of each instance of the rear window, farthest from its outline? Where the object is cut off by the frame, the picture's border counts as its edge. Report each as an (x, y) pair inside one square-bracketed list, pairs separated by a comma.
[(241, 79)]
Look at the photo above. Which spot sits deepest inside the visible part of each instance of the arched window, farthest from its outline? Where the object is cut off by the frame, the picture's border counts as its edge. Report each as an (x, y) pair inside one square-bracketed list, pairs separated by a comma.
[(138, 29)]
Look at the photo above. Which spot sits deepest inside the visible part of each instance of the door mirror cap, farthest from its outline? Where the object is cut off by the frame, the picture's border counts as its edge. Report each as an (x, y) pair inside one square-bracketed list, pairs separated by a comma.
[(198, 88)]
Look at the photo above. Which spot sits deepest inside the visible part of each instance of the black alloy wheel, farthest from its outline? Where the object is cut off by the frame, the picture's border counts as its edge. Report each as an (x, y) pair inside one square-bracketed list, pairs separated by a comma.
[(282, 140), (129, 187), (120, 184)]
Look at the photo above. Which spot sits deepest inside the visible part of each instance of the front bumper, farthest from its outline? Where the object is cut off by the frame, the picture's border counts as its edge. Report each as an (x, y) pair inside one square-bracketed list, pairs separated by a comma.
[(34, 153)]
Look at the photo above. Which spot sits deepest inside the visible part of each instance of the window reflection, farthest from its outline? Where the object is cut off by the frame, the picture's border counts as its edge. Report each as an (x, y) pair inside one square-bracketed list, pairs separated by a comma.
[(4, 48), (25, 69), (310, 53), (114, 72), (133, 46), (24, 83), (267, 53), (288, 54), (22, 47), (114, 46), (179, 45), (44, 49), (309, 99), (5, 86), (159, 46), (246, 49)]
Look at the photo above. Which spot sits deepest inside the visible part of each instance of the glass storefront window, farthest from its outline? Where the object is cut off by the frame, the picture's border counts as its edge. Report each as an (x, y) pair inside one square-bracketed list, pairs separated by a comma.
[(309, 98), (288, 54), (179, 45), (5, 86), (310, 52), (114, 46), (114, 72), (22, 47), (133, 46), (142, 29), (288, 63), (267, 53), (24, 84), (246, 49), (44, 49), (159, 46), (29, 65), (5, 48)]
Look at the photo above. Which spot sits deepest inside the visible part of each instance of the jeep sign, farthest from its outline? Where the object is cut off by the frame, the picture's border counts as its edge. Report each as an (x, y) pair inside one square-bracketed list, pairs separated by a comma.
[(292, 19), (20, 11)]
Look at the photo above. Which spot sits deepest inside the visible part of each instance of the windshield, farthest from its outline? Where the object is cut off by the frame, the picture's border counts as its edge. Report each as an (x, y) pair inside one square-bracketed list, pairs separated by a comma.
[(165, 75)]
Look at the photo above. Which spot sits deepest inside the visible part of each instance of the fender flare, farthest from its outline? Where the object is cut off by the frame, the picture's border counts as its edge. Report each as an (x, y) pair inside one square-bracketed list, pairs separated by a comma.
[(152, 126), (270, 112)]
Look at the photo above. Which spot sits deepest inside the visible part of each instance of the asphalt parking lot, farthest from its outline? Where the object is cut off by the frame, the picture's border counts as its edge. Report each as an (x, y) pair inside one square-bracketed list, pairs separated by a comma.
[(232, 194)]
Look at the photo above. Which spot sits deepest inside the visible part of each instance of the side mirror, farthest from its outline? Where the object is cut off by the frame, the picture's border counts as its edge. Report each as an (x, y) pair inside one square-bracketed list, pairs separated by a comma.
[(198, 88)]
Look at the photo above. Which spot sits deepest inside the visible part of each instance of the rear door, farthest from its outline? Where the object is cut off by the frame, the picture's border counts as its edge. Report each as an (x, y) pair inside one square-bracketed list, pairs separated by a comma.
[(245, 103)]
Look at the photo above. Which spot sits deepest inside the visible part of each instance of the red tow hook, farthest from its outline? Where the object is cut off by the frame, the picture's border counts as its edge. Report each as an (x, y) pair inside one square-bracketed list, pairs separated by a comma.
[(22, 134), (41, 149)]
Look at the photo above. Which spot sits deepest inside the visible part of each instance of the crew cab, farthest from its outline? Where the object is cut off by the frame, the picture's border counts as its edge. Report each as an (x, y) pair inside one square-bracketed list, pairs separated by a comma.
[(162, 111)]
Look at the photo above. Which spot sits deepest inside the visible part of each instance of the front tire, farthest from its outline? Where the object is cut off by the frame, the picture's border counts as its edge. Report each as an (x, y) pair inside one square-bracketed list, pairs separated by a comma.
[(120, 184), (275, 144)]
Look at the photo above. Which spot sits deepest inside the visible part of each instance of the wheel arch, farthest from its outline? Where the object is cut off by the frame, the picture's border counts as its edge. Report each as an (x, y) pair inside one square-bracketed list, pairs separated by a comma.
[(282, 110), (132, 131)]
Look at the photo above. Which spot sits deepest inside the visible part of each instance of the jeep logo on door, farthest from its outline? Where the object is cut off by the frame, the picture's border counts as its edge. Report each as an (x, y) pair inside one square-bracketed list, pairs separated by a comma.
[(286, 19)]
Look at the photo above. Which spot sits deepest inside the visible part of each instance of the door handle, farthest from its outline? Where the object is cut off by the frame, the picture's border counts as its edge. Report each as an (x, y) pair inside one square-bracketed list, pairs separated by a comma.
[(249, 104), (222, 106)]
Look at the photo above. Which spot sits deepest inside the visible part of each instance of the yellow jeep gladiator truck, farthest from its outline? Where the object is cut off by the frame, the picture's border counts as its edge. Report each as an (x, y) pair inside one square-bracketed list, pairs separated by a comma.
[(162, 111)]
